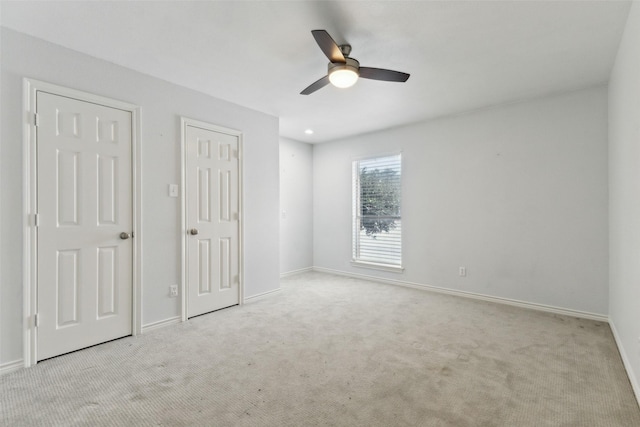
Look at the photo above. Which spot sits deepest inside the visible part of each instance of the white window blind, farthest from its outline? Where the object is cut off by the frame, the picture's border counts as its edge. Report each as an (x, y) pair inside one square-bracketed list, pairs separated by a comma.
[(377, 221)]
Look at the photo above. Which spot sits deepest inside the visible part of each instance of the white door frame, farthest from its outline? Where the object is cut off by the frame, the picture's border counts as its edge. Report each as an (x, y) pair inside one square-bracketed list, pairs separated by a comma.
[(184, 122), (30, 195)]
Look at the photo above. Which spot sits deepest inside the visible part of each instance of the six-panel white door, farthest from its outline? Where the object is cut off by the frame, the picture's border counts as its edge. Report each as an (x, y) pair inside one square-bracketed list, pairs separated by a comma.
[(212, 218), (84, 274)]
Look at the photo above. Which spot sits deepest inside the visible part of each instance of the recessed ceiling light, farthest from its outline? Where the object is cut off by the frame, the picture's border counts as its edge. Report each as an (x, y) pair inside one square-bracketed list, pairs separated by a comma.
[(309, 131)]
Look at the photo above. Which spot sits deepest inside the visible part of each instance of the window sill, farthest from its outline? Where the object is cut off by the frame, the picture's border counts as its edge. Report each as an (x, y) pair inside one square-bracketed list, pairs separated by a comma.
[(376, 266)]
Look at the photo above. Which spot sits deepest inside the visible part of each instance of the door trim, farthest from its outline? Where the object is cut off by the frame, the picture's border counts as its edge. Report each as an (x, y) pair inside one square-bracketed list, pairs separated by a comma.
[(184, 122), (30, 194)]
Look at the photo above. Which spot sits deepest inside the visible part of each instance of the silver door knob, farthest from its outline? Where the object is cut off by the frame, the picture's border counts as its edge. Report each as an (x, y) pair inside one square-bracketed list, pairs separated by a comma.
[(124, 235), (193, 231)]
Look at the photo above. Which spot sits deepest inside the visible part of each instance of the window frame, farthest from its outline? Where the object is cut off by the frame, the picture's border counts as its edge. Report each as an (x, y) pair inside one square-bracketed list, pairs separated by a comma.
[(355, 215)]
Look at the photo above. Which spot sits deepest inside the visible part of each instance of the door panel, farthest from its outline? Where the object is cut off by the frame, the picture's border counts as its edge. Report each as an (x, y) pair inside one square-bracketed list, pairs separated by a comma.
[(213, 210), (84, 202)]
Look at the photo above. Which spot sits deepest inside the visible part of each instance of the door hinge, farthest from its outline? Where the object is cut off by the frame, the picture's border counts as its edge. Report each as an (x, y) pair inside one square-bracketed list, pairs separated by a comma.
[(36, 220), (36, 119), (36, 320)]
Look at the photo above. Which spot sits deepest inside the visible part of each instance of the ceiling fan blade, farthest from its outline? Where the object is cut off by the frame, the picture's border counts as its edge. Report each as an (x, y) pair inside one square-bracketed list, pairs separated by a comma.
[(328, 46), (319, 84), (382, 74)]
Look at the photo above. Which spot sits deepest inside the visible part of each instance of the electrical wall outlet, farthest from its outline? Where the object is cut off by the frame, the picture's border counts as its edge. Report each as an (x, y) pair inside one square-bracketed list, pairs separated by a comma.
[(462, 271), (173, 290)]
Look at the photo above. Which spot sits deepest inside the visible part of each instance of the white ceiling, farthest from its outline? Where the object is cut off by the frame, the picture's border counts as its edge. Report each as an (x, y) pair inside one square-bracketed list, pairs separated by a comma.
[(462, 55)]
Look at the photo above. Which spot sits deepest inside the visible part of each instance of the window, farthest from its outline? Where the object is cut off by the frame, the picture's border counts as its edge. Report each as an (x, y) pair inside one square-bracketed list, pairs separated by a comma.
[(377, 224)]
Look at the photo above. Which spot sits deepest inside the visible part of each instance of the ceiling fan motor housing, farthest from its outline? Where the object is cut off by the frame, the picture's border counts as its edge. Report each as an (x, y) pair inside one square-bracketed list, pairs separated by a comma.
[(351, 64)]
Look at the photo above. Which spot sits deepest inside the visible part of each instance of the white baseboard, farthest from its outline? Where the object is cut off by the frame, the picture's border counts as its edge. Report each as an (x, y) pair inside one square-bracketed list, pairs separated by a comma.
[(256, 297), (161, 323), (625, 361), (294, 272), (9, 367), (499, 300)]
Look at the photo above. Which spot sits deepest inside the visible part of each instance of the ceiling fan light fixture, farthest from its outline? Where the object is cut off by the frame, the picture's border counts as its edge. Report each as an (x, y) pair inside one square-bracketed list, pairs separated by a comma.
[(344, 71), (343, 78), (344, 75)]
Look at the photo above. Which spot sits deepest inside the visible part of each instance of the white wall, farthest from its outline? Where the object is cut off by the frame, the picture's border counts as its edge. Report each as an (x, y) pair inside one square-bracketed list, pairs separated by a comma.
[(296, 205), (624, 189), (516, 193), (162, 104)]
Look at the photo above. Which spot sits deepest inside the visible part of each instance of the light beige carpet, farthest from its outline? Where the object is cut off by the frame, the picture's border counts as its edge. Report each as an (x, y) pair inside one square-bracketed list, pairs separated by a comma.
[(335, 351)]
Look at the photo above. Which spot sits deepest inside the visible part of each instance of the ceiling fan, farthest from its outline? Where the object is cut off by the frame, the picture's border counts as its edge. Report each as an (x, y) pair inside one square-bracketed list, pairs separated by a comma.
[(344, 71)]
